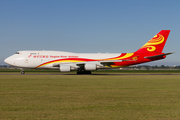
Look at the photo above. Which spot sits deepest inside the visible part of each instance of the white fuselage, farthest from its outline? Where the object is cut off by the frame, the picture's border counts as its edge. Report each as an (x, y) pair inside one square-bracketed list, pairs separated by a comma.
[(33, 59)]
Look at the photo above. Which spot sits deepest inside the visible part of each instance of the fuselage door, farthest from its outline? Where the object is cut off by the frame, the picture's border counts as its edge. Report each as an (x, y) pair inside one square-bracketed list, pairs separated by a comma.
[(26, 60)]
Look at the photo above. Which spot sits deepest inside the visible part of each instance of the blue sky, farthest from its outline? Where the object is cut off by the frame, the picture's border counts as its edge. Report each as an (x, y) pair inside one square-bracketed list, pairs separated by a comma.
[(114, 26)]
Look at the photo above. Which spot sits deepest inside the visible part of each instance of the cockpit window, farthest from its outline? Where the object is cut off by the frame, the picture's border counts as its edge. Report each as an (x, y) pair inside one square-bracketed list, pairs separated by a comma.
[(17, 53)]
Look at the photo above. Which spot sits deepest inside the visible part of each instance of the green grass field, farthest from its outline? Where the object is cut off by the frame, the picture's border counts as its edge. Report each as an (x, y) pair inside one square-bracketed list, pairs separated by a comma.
[(121, 97), (98, 71)]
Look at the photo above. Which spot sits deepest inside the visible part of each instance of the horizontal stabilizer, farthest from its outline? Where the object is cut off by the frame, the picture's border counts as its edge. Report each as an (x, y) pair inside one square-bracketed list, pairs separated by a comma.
[(156, 56)]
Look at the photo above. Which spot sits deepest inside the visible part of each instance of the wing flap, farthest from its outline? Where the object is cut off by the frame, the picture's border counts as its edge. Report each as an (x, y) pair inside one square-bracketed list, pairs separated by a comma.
[(105, 62), (109, 62)]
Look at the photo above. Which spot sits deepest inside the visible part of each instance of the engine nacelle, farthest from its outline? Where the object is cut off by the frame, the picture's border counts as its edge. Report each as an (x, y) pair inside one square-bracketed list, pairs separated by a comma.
[(65, 68), (90, 66)]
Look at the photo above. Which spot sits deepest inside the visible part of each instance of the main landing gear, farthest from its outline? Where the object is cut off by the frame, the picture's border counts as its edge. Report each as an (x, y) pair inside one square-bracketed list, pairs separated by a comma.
[(80, 72)]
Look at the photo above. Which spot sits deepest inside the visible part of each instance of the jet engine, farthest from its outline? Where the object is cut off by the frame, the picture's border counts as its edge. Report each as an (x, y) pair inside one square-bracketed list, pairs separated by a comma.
[(90, 66), (65, 68)]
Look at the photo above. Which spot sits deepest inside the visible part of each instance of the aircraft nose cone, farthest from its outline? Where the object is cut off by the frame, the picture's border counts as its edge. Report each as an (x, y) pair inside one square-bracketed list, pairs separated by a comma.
[(8, 61)]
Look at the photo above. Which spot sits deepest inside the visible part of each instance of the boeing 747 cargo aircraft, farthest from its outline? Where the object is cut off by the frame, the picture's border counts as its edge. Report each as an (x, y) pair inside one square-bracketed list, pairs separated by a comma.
[(84, 63)]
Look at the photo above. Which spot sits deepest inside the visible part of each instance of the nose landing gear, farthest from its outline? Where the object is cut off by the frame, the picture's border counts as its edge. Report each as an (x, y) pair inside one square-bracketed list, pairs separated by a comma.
[(22, 71)]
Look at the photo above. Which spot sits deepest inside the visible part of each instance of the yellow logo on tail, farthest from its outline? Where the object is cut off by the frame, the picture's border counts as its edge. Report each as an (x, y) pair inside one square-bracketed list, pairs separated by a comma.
[(156, 40)]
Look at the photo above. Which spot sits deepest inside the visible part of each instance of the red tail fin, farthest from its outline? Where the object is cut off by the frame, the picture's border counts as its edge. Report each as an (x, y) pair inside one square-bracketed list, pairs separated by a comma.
[(156, 44)]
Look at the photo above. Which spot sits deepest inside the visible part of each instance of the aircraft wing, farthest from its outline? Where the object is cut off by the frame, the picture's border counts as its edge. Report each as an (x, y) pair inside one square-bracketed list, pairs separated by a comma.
[(156, 56), (109, 62), (106, 62)]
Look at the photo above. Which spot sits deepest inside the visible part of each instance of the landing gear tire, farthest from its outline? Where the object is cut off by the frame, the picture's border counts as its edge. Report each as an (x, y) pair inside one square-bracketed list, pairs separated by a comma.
[(87, 72), (22, 72), (83, 72)]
